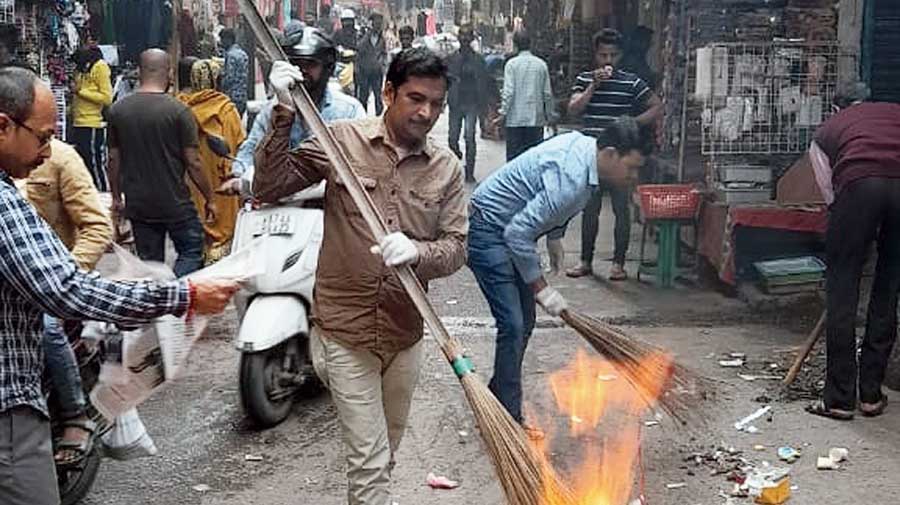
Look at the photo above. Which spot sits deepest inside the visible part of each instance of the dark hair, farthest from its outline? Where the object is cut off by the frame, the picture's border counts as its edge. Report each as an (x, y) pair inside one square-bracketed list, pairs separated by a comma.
[(85, 57), (228, 35), (185, 69), (609, 37), (626, 135), (406, 30), (416, 62), (522, 40), (17, 92)]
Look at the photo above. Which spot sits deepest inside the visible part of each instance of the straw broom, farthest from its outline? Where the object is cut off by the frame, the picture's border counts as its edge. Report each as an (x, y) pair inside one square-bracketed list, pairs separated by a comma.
[(523, 475), (630, 356)]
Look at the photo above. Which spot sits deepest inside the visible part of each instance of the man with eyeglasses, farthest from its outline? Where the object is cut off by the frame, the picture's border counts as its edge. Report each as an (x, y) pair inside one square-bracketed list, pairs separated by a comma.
[(38, 275)]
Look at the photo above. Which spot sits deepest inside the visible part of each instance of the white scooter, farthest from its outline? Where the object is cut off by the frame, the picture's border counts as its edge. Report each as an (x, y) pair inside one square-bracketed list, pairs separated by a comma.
[(274, 308)]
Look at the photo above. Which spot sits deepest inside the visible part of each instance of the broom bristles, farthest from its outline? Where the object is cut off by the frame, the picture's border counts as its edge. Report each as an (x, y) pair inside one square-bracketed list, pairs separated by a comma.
[(526, 478), (681, 395)]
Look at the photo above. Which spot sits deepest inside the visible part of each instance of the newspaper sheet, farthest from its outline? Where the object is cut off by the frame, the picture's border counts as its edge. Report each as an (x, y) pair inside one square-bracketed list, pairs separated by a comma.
[(140, 361)]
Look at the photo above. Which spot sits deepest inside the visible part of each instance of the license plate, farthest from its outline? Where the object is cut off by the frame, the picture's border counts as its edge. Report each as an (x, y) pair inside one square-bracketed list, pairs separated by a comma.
[(274, 224)]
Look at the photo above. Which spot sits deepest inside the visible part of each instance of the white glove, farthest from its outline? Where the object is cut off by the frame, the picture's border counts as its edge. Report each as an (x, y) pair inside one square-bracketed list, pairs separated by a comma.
[(283, 77), (397, 249), (552, 301)]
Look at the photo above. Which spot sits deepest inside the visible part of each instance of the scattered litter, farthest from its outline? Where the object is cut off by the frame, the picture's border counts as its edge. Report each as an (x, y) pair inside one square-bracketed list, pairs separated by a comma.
[(452, 302), (436, 482), (751, 378), (773, 366), (577, 420), (759, 447), (751, 429), (650, 424), (744, 423), (201, 488), (731, 363), (788, 454), (607, 377), (463, 433), (737, 355), (252, 457), (676, 485), (769, 487), (838, 454), (826, 463)]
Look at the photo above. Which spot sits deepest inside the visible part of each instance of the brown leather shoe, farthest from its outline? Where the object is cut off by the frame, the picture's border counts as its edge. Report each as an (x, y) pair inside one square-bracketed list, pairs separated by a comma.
[(580, 271)]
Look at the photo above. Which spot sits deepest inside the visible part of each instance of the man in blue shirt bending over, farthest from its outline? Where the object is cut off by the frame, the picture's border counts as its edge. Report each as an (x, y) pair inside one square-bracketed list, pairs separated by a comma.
[(531, 195)]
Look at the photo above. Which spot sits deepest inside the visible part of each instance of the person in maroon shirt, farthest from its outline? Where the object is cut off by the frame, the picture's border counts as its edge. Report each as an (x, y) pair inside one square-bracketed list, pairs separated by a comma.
[(856, 155)]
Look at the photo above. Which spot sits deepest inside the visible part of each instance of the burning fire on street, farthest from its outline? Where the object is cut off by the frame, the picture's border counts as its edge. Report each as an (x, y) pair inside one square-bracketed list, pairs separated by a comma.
[(604, 419)]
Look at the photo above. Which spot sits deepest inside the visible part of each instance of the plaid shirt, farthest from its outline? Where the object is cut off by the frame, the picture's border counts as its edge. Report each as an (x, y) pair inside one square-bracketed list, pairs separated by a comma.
[(37, 275), (527, 99)]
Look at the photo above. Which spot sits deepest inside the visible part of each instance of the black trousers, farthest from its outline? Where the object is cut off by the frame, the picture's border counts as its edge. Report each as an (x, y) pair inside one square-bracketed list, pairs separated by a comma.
[(91, 145), (867, 210), (522, 138), (590, 223)]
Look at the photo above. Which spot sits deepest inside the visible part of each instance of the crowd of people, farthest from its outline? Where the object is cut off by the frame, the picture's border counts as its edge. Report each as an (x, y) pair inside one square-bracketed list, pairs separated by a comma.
[(152, 151)]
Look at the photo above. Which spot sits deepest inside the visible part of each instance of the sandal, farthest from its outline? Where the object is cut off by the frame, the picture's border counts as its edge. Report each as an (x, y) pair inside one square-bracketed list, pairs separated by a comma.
[(618, 273), (533, 433), (75, 450), (579, 271), (818, 408), (873, 409)]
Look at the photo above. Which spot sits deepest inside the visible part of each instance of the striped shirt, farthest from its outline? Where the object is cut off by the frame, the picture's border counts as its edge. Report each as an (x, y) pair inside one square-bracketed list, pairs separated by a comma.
[(624, 94), (37, 275)]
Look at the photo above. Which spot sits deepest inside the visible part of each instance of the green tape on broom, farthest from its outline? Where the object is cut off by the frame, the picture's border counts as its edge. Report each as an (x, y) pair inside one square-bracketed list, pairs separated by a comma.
[(462, 366)]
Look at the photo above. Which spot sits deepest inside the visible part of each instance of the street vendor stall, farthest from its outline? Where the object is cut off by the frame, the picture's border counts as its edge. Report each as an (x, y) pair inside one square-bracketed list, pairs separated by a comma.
[(761, 105)]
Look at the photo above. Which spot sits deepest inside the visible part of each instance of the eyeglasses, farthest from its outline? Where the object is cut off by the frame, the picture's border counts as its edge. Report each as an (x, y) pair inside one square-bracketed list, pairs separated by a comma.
[(43, 140)]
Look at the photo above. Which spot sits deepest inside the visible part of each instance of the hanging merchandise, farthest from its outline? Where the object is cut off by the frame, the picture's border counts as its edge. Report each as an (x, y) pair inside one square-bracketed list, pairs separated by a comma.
[(79, 16)]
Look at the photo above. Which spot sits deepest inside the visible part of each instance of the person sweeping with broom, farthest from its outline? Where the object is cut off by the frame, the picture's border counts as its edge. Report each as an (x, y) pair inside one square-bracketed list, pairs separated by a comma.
[(522, 201), (367, 345)]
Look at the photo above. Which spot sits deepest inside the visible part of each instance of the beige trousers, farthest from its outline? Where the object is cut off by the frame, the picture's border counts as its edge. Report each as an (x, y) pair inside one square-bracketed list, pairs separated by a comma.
[(372, 394)]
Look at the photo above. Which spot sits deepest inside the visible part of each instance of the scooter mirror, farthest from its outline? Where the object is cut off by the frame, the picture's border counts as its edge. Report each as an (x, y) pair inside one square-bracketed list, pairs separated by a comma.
[(218, 146)]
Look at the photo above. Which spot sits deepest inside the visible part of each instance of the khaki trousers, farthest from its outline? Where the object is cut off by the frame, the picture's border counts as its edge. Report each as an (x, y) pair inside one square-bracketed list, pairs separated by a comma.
[(372, 394)]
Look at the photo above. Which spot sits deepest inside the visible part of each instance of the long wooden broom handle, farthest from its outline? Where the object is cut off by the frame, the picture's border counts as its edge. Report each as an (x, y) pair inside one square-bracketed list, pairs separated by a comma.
[(805, 350), (451, 347)]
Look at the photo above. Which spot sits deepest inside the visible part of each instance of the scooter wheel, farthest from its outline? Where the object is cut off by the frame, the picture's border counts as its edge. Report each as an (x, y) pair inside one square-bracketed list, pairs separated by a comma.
[(262, 398), (75, 483)]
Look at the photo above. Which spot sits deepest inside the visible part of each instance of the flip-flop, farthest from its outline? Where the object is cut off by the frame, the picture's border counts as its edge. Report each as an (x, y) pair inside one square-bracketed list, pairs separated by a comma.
[(877, 410), (818, 408), (77, 450)]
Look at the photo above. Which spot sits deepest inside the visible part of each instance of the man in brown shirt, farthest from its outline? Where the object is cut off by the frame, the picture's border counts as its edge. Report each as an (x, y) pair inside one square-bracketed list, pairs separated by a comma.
[(368, 343)]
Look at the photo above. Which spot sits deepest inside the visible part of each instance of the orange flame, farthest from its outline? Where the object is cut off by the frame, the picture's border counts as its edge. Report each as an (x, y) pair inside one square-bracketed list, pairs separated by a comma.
[(589, 391)]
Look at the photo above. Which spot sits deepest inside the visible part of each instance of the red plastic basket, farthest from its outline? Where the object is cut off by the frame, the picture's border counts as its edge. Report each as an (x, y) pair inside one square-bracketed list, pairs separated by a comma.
[(669, 201)]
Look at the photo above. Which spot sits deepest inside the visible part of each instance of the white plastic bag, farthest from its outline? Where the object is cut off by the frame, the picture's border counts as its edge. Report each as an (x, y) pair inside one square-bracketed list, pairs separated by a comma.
[(128, 439)]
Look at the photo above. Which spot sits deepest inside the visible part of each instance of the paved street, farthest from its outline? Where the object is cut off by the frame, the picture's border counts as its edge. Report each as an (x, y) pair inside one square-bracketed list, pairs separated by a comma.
[(203, 438)]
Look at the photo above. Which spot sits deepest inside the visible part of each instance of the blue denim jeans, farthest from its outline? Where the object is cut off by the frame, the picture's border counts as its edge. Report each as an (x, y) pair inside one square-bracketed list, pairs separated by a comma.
[(63, 369), (187, 235), (512, 305)]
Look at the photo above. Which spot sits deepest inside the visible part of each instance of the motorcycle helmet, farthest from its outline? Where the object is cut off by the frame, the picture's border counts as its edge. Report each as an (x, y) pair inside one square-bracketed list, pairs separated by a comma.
[(307, 43)]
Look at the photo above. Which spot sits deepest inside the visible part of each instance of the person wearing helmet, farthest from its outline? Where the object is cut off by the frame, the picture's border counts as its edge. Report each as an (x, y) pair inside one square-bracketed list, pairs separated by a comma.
[(316, 55), (347, 37)]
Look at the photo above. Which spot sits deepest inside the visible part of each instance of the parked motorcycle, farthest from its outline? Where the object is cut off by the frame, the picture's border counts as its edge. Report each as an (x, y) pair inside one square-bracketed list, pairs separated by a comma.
[(274, 308), (75, 481)]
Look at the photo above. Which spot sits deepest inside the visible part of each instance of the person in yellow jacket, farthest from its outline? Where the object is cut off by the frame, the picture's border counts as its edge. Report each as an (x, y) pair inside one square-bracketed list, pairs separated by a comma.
[(216, 116), (63, 193), (92, 92)]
